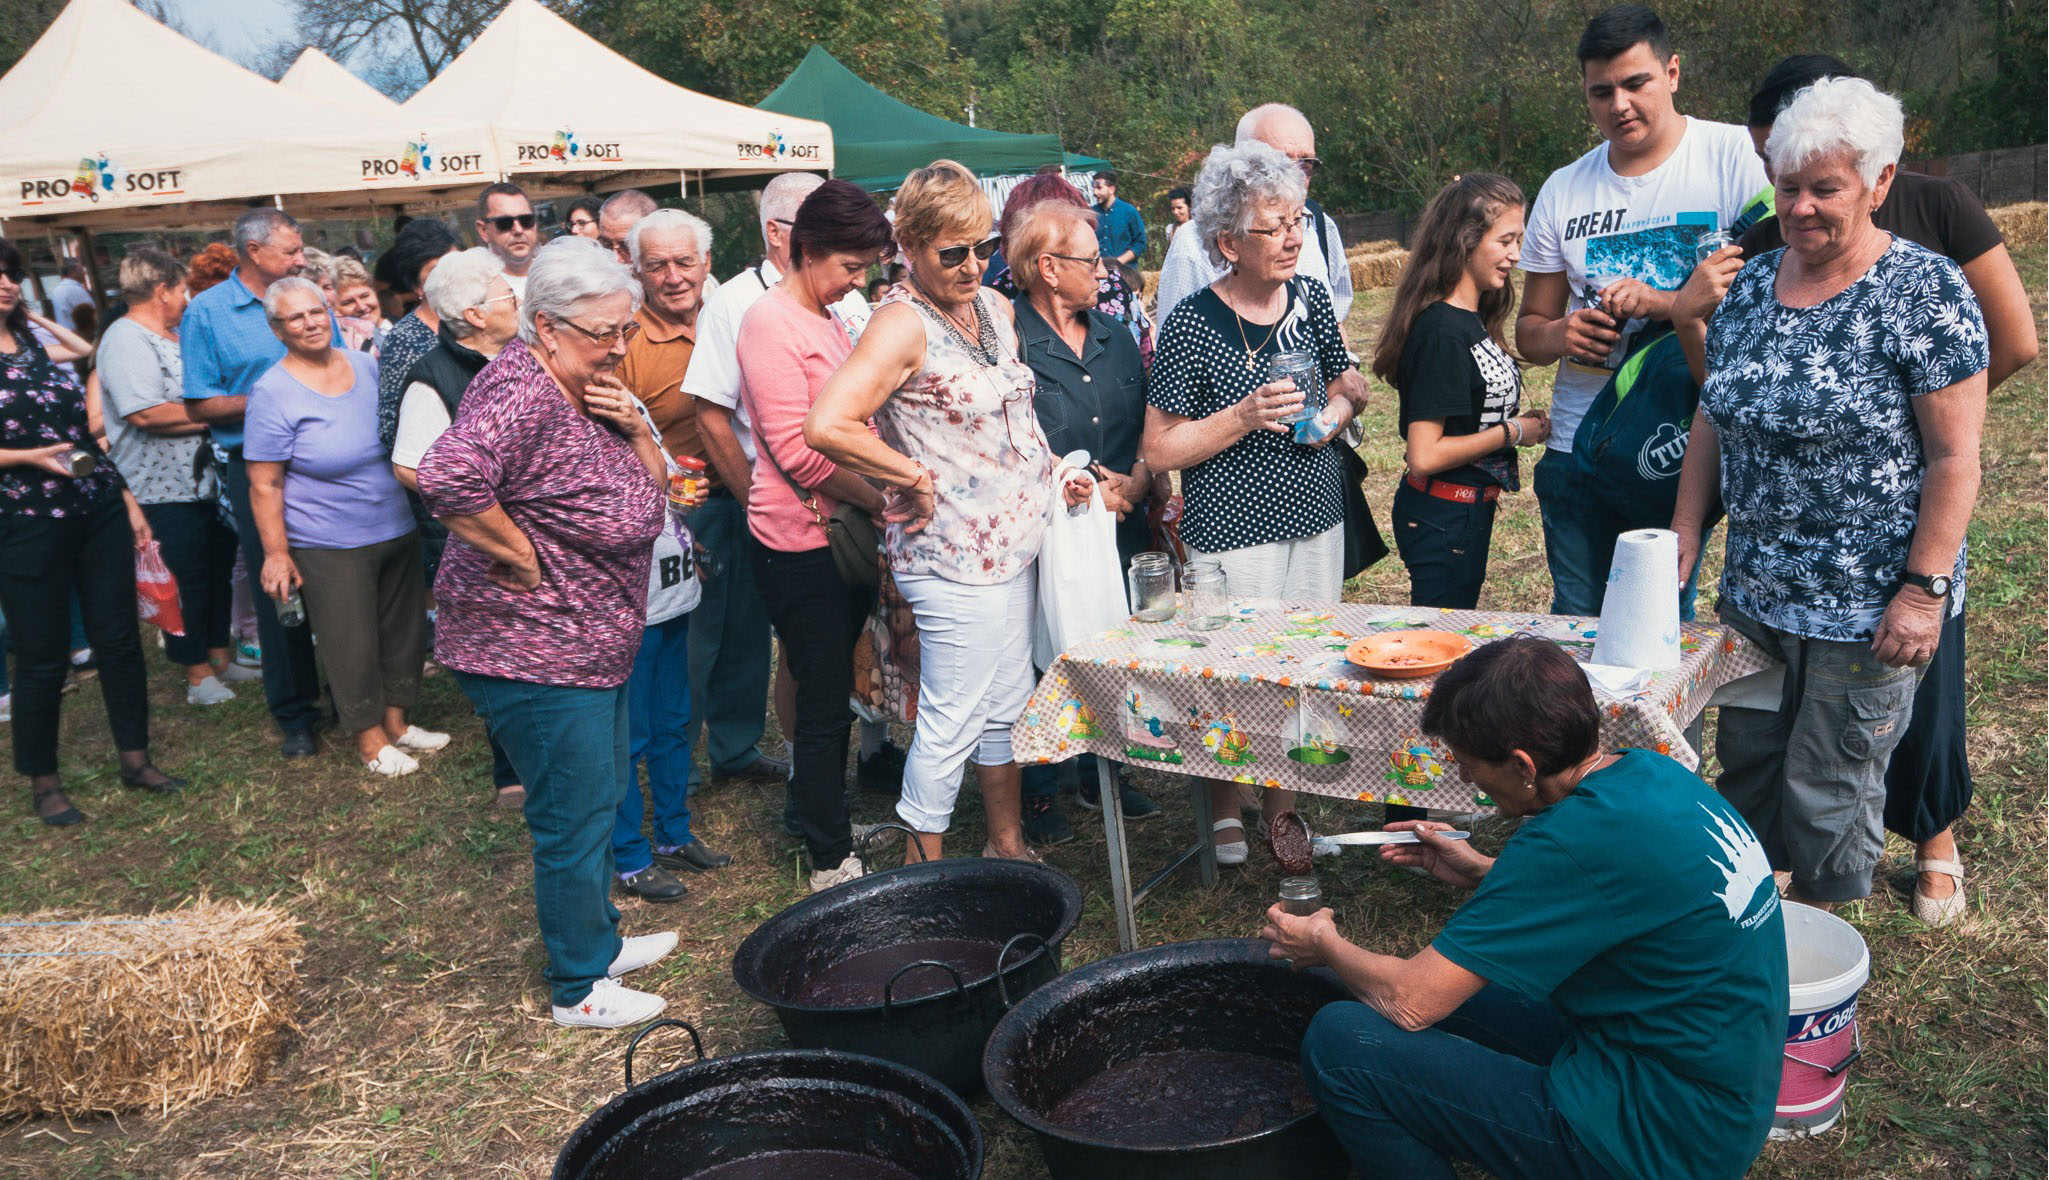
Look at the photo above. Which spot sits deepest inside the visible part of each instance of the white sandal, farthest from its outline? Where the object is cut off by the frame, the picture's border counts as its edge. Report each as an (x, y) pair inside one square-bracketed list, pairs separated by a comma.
[(1232, 852), (1939, 911), (391, 762)]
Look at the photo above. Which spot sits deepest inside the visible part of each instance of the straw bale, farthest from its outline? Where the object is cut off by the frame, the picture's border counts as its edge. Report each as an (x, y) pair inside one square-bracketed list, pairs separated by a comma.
[(1359, 249), (101, 1015), (2022, 225), (1372, 271)]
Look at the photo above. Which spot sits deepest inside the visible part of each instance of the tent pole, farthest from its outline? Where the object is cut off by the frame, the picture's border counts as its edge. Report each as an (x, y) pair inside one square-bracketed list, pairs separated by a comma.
[(35, 277), (92, 275)]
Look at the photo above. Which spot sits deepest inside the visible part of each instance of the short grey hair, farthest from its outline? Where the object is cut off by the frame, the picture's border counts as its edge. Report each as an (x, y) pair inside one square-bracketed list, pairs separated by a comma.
[(627, 203), (459, 282), (319, 262), (783, 194), (255, 227), (1838, 116), (146, 268), (1234, 182), (274, 295), (568, 273), (665, 221)]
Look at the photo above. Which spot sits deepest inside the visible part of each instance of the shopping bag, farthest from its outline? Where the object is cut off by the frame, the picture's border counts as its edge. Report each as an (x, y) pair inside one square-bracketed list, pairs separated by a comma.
[(156, 592), (1081, 578)]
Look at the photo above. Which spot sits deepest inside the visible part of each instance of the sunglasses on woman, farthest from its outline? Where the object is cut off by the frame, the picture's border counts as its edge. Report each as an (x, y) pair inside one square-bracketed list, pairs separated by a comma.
[(953, 256), (504, 224)]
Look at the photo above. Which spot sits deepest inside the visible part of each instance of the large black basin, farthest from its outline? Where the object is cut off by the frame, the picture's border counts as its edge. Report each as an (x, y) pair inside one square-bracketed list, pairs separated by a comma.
[(1026, 907), (719, 1112), (1224, 995)]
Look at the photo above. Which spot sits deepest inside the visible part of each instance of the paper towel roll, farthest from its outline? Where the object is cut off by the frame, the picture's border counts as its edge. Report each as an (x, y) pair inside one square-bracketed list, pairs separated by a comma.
[(1640, 612)]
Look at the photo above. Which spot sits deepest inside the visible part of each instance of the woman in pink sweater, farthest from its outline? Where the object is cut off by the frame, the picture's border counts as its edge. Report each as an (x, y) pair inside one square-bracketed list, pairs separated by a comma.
[(790, 342)]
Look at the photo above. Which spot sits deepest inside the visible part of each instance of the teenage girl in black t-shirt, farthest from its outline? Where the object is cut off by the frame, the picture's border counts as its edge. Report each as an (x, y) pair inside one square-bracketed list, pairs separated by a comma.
[(1461, 392)]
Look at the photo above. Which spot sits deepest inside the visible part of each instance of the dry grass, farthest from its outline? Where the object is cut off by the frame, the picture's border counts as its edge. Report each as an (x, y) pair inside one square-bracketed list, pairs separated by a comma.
[(424, 1048)]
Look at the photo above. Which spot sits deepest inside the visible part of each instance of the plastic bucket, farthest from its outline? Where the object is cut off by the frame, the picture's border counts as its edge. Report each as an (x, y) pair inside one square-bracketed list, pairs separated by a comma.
[(1826, 964)]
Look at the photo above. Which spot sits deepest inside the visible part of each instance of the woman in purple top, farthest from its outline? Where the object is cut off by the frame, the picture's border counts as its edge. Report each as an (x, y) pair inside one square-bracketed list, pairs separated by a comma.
[(550, 484), (335, 525)]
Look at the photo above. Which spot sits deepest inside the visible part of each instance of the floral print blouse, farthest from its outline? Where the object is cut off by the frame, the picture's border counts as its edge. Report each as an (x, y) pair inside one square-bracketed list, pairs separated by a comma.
[(41, 405), (1821, 454), (967, 416)]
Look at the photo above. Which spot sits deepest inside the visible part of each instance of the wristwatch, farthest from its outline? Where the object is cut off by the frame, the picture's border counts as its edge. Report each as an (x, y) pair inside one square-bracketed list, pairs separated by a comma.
[(1936, 584)]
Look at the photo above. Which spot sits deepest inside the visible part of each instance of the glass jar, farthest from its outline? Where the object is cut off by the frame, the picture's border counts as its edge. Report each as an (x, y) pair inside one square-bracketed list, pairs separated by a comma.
[(1301, 896), (1207, 595), (1151, 582)]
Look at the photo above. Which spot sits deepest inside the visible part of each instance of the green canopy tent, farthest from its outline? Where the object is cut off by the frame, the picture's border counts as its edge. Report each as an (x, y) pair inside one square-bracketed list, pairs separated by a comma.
[(878, 140)]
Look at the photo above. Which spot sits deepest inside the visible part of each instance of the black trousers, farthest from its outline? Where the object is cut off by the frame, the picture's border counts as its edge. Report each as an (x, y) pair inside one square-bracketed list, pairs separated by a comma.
[(43, 560), (199, 548), (818, 618), (1444, 544), (291, 675), (1928, 781)]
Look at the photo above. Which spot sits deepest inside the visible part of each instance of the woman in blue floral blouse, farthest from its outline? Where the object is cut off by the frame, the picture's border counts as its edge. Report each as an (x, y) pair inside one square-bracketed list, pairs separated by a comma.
[(67, 524), (1842, 405)]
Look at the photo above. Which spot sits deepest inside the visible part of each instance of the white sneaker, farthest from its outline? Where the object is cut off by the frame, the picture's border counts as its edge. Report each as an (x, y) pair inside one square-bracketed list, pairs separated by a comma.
[(391, 763), (849, 870), (641, 950), (610, 1005), (236, 673), (421, 741), (209, 691)]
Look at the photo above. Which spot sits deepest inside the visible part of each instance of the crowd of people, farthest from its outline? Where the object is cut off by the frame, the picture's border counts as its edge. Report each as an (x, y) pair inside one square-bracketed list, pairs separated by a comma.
[(622, 502)]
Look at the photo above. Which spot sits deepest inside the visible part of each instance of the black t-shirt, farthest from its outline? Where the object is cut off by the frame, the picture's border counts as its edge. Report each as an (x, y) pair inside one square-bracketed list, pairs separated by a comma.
[(1932, 211), (1265, 487), (1453, 371)]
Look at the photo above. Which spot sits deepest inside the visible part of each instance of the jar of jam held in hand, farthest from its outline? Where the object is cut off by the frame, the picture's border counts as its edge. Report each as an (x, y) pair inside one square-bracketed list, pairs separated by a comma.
[(1301, 896), (688, 484)]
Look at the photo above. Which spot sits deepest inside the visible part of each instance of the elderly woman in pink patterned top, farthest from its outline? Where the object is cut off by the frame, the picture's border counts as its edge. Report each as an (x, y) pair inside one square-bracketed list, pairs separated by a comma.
[(550, 484), (970, 480)]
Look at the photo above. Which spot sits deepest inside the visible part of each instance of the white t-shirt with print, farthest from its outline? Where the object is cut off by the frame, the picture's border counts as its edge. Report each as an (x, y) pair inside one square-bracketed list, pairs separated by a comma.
[(714, 372), (1598, 227)]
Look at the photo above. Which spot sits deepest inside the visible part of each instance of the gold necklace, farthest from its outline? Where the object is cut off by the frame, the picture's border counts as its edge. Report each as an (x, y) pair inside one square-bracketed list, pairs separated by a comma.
[(970, 331), (1251, 353)]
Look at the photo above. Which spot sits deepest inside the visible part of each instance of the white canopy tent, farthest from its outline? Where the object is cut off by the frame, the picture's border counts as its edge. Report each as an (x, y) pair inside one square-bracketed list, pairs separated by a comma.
[(316, 74), (568, 115), (112, 120)]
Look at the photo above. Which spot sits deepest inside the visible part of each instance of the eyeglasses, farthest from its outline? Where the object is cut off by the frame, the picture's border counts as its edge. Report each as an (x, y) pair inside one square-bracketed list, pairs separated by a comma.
[(1308, 165), (1098, 262), (1287, 225), (577, 223), (953, 256), (607, 338), (293, 321), (13, 274), (504, 224), (658, 266), (784, 221), (500, 299)]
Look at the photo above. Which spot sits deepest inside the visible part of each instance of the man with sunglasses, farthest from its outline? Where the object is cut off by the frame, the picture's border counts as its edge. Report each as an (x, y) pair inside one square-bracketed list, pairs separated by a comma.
[(505, 223), (1187, 268), (1120, 231)]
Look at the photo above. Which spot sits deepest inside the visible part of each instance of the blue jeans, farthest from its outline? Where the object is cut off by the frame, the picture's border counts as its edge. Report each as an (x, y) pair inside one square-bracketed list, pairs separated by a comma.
[(569, 746), (1579, 537), (729, 657), (1472, 1088), (658, 727)]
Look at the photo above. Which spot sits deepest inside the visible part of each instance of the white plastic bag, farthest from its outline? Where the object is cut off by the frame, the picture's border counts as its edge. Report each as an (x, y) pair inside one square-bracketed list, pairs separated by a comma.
[(1081, 579)]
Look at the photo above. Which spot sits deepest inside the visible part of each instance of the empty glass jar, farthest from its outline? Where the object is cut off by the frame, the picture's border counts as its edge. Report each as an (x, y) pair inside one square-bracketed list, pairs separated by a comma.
[(1208, 595), (1151, 582)]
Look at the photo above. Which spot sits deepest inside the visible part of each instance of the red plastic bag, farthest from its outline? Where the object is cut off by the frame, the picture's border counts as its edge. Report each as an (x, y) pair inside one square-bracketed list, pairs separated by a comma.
[(156, 592)]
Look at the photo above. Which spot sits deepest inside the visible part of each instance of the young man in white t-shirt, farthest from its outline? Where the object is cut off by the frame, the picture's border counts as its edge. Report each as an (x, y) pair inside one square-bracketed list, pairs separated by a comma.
[(1620, 223)]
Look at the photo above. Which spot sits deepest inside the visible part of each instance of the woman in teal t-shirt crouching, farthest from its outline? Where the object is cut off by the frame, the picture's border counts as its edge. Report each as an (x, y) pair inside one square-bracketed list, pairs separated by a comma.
[(1611, 1002)]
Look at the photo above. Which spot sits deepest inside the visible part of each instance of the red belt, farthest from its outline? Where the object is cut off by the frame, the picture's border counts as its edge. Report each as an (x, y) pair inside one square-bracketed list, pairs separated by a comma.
[(1457, 493)]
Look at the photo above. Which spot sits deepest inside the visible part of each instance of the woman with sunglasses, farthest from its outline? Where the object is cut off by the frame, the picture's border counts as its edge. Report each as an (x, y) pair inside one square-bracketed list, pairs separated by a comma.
[(552, 487), (336, 527), (1262, 496), (969, 479), (67, 523)]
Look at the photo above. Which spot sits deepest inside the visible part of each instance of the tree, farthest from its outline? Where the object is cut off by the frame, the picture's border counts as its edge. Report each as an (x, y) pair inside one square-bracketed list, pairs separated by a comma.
[(401, 44)]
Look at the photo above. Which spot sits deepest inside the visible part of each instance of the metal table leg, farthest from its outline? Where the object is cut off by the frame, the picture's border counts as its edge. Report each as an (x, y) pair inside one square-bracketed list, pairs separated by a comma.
[(1206, 850), (1120, 856)]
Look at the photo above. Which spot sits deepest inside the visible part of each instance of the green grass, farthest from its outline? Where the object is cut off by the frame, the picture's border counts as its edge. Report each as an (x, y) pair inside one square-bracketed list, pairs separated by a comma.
[(424, 1048)]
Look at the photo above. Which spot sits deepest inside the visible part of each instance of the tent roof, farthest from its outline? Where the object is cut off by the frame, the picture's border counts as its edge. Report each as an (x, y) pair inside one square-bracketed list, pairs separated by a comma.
[(319, 75), (112, 119), (880, 140), (564, 108)]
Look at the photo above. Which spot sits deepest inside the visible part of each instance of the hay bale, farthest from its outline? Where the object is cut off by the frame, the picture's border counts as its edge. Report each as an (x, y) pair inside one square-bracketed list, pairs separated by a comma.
[(102, 1015), (2022, 225), (1358, 249), (1372, 271)]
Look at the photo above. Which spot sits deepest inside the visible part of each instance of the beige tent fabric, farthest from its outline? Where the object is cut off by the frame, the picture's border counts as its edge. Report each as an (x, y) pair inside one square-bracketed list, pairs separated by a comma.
[(569, 115), (316, 74), (111, 119)]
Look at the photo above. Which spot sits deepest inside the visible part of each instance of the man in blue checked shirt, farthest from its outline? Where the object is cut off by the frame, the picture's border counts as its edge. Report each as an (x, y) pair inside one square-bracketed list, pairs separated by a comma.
[(1120, 231), (228, 343)]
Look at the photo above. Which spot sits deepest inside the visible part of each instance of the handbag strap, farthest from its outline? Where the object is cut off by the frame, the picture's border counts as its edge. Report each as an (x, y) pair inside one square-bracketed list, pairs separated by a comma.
[(805, 496)]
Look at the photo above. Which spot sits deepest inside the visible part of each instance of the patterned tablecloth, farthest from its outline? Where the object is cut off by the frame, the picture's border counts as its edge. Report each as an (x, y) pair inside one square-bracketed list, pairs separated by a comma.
[(1270, 699)]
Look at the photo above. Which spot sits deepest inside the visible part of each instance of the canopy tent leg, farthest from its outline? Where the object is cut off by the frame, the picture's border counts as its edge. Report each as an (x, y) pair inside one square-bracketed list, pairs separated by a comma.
[(92, 275), (35, 277)]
